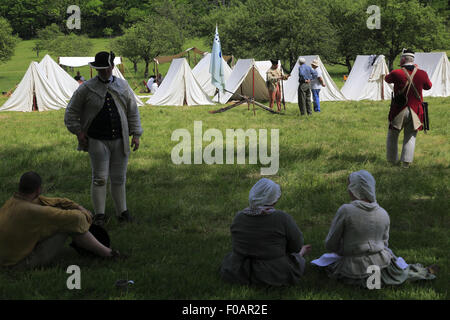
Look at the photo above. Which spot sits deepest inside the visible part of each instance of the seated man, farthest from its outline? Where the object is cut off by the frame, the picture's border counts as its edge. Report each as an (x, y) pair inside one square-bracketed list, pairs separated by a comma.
[(150, 83), (79, 78), (33, 228), (267, 243)]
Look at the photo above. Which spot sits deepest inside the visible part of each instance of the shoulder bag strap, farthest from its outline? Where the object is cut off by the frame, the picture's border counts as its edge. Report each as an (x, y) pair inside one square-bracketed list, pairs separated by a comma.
[(410, 78)]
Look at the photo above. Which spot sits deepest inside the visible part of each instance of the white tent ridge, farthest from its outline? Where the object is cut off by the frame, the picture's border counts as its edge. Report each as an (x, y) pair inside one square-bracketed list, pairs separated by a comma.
[(437, 66), (366, 80), (34, 81), (82, 61), (328, 93), (241, 82), (201, 73), (116, 72), (265, 65), (179, 87), (64, 84)]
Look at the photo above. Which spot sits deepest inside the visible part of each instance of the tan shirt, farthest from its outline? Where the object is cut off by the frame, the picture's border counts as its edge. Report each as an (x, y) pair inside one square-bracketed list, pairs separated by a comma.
[(23, 224), (273, 77)]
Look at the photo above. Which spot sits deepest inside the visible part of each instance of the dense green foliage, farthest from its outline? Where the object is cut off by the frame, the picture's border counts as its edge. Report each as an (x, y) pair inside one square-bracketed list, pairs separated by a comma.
[(8, 41), (336, 30), (58, 44)]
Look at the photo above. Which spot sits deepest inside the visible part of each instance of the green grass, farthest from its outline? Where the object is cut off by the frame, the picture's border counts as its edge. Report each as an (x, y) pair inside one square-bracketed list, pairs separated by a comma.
[(185, 211)]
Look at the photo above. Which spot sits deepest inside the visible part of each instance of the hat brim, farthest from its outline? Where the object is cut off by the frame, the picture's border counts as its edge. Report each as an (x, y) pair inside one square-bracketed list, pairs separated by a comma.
[(92, 65)]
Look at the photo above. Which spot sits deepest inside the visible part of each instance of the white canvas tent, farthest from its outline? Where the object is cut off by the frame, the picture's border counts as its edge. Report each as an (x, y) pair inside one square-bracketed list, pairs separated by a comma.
[(179, 87), (64, 84), (243, 80), (366, 80), (328, 93), (116, 72), (82, 61), (34, 82), (201, 73), (437, 66), (265, 65)]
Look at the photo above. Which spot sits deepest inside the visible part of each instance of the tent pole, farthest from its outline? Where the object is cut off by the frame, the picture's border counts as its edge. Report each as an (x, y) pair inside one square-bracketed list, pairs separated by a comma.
[(157, 74), (382, 87), (253, 89), (91, 71)]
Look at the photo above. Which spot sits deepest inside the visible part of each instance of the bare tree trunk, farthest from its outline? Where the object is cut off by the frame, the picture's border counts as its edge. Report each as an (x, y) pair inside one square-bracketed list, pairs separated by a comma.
[(146, 69), (135, 66), (348, 64)]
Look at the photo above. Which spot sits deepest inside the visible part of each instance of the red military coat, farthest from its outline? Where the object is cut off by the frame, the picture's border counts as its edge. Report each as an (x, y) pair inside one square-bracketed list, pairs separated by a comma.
[(421, 82)]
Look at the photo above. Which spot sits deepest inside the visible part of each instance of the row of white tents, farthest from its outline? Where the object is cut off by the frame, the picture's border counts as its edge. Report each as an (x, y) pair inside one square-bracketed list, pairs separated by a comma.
[(53, 87), (46, 86), (248, 77)]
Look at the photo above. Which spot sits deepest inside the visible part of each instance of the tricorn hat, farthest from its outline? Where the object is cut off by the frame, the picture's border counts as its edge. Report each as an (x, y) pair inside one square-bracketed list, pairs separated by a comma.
[(100, 234), (274, 61), (103, 60)]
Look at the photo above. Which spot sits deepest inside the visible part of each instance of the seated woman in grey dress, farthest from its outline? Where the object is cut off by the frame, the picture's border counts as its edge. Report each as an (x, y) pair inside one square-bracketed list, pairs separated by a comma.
[(267, 244), (359, 235)]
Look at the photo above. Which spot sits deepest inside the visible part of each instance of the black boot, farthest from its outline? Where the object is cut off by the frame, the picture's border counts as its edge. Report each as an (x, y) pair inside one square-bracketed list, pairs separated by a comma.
[(125, 217), (99, 219)]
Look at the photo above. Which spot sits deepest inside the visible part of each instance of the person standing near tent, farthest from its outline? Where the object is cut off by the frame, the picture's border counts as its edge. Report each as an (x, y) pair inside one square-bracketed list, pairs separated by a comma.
[(305, 75), (410, 115), (316, 84), (103, 113), (273, 83)]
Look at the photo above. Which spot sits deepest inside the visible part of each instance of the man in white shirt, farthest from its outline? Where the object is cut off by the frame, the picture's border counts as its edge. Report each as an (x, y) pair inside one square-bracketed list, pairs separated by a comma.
[(316, 84), (150, 83)]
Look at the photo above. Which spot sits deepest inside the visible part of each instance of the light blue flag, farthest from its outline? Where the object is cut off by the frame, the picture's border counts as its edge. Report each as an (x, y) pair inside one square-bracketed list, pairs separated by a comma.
[(216, 67)]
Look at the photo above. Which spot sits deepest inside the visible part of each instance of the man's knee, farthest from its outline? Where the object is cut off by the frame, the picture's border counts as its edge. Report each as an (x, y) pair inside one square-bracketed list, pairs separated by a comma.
[(99, 181), (118, 179)]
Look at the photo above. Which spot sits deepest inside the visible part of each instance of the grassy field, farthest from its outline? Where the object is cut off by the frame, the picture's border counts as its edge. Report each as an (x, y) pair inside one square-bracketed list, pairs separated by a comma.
[(185, 211)]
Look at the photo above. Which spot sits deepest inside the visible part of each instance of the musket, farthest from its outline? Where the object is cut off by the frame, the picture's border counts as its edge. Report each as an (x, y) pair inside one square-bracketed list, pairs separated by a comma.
[(282, 88), (426, 119)]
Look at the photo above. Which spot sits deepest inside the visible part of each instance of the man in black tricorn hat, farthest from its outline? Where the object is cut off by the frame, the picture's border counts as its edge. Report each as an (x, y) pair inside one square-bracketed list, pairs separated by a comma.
[(102, 113)]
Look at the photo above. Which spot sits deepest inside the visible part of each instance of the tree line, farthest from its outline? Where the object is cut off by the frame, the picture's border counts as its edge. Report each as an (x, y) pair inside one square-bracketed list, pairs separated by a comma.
[(337, 30)]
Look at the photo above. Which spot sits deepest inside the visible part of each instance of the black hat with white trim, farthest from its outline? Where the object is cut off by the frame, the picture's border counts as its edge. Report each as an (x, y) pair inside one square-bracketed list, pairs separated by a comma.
[(103, 60)]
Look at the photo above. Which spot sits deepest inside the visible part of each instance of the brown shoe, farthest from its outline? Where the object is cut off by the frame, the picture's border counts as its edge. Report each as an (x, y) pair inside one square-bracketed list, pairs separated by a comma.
[(116, 256), (433, 269)]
